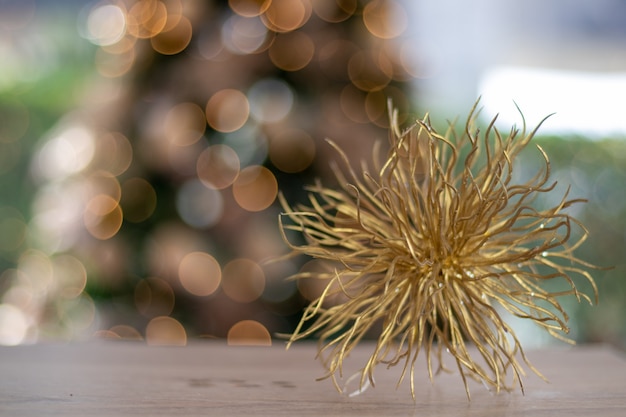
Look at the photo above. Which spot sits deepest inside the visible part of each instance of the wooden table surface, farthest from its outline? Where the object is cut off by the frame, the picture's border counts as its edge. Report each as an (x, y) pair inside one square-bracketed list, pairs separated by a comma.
[(212, 379)]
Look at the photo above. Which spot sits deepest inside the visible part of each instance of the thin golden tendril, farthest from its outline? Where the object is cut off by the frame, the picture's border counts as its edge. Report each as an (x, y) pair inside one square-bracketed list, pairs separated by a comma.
[(432, 248)]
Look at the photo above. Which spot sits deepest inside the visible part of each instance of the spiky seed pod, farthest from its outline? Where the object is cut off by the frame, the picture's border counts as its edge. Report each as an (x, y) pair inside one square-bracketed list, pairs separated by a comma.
[(433, 246)]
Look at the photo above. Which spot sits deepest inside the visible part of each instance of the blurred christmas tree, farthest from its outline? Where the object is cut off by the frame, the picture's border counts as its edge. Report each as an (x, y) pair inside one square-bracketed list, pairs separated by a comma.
[(156, 197)]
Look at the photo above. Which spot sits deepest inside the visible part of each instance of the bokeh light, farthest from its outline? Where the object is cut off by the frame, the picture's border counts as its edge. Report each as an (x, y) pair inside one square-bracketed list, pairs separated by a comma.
[(287, 15), (67, 153), (163, 185), (200, 273), (113, 153), (173, 40), (105, 24), (249, 333), (103, 217), (243, 280), (70, 275), (271, 100), (116, 64), (146, 19), (255, 189), (292, 51), (79, 314), (291, 150), (218, 166), (385, 18), (369, 71), (13, 325), (227, 110), (198, 205), (185, 124), (245, 35), (165, 331)]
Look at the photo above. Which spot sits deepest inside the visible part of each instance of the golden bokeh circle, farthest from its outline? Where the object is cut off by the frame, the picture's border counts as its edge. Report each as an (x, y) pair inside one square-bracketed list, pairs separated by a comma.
[(165, 331), (255, 189), (292, 51), (248, 333), (103, 217), (227, 110), (386, 19), (199, 273), (174, 40), (287, 15), (146, 19)]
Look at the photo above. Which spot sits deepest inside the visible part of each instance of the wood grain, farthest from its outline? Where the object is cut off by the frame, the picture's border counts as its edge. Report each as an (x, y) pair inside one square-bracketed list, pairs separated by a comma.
[(213, 379)]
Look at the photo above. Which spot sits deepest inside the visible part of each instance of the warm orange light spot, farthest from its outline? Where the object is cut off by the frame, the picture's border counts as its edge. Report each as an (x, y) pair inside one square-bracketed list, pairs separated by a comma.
[(165, 331), (249, 8), (174, 40), (227, 110), (138, 199), (287, 15), (146, 18), (255, 189), (200, 273), (185, 124), (292, 51), (243, 280), (174, 13), (249, 333), (291, 150), (218, 166), (385, 19), (103, 217)]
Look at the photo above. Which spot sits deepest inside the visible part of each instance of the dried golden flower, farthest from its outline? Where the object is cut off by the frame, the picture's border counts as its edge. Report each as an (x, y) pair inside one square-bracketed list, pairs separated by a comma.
[(433, 248)]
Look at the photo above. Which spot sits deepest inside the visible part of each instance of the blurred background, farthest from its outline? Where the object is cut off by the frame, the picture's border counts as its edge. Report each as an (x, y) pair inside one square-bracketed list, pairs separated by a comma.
[(143, 144)]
